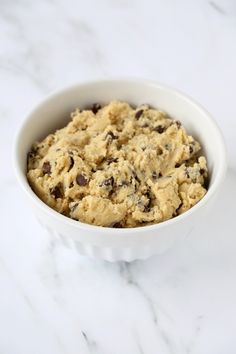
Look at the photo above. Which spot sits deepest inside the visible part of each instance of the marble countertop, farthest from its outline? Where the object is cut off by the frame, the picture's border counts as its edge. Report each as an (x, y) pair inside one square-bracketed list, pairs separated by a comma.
[(53, 301)]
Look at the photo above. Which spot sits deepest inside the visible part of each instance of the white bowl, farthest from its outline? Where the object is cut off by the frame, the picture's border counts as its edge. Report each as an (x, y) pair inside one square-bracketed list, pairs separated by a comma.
[(129, 243)]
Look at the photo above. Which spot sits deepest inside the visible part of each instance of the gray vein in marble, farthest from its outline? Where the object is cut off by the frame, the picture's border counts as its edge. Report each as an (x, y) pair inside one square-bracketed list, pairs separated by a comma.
[(137, 341), (217, 8), (91, 344), (27, 60), (12, 20), (59, 343), (50, 264), (198, 328), (52, 254), (125, 272), (140, 349), (160, 308), (19, 287), (91, 53), (14, 69)]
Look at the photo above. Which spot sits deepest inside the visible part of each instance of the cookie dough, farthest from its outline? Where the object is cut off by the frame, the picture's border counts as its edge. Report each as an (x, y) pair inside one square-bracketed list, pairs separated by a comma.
[(119, 166)]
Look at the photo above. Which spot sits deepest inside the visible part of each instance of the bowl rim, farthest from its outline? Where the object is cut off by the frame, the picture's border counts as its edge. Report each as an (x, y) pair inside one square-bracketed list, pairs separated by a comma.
[(21, 177)]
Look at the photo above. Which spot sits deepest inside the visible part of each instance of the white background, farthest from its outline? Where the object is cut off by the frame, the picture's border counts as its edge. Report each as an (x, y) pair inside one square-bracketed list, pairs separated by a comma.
[(181, 302)]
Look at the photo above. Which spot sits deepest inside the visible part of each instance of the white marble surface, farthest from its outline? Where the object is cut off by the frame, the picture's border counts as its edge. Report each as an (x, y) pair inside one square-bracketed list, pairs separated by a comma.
[(53, 301)]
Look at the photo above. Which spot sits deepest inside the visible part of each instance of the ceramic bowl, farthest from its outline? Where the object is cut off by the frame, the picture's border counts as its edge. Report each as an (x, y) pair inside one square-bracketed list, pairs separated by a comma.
[(125, 244)]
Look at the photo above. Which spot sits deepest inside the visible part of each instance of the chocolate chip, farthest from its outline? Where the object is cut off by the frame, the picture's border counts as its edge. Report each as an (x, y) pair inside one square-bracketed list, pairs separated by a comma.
[(73, 206), (145, 125), (177, 165), (206, 183), (117, 225), (46, 167), (95, 108), (202, 171), (138, 114), (56, 191), (136, 177), (178, 123), (71, 185), (159, 128), (29, 156), (167, 147), (111, 135), (123, 184), (72, 162), (190, 149), (176, 211), (81, 180), (155, 175), (108, 182), (112, 159), (146, 209), (32, 153)]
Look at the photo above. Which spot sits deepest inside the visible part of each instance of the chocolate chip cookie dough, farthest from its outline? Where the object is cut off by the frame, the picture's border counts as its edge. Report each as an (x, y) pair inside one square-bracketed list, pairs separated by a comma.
[(119, 166)]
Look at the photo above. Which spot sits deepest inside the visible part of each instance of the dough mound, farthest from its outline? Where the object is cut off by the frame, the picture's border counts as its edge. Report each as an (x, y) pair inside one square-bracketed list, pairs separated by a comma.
[(119, 166)]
